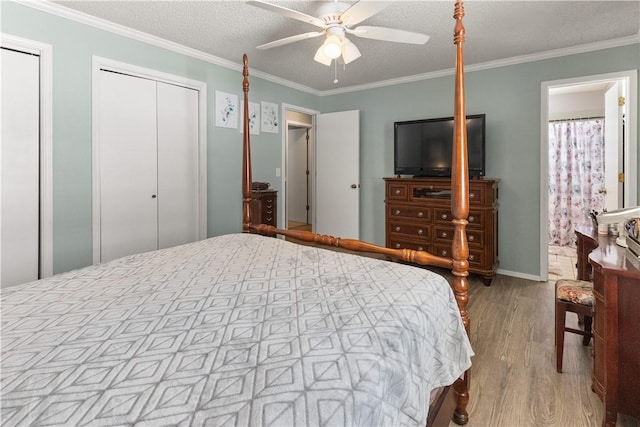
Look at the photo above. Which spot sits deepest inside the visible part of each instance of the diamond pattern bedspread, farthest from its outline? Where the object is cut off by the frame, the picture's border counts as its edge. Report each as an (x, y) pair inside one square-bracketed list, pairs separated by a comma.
[(191, 336)]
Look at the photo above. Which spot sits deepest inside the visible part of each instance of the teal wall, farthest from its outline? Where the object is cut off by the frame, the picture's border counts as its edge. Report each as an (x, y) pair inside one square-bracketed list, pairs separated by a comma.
[(509, 96), (74, 44)]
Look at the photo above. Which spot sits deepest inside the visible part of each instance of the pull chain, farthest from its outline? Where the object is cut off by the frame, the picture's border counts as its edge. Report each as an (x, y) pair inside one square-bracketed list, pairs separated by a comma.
[(335, 71)]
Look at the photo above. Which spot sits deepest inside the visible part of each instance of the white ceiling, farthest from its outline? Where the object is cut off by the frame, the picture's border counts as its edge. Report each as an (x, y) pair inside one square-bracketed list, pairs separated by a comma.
[(497, 31)]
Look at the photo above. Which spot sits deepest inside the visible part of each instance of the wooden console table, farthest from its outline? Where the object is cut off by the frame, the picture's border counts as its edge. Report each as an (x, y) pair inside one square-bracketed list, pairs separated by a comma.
[(616, 330)]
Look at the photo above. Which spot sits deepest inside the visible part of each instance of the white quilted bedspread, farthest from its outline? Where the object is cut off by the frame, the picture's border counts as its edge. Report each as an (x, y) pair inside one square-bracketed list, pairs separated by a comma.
[(192, 336)]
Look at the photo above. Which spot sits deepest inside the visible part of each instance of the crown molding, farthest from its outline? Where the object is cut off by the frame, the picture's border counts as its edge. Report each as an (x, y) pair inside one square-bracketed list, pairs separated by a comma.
[(515, 60), (103, 24)]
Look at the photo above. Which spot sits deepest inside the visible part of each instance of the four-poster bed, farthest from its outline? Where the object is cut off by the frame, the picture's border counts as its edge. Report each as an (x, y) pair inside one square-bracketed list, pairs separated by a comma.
[(458, 263), (241, 329)]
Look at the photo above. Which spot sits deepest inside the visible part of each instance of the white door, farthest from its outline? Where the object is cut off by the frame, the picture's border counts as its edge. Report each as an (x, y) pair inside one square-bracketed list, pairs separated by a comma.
[(613, 150), (20, 167), (128, 165), (177, 165), (338, 174)]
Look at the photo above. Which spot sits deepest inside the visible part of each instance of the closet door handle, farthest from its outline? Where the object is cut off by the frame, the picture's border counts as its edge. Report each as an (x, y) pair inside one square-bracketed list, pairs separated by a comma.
[(153, 196)]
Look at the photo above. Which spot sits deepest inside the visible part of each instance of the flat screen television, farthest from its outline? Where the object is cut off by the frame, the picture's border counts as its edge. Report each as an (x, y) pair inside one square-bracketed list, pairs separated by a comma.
[(424, 147)]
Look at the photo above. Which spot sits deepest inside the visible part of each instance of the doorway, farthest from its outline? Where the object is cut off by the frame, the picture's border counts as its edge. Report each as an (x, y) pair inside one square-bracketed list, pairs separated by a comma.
[(598, 111), (298, 192), (298, 168)]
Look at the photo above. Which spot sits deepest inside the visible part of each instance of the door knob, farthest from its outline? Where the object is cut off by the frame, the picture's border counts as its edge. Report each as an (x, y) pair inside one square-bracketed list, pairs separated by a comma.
[(354, 186), (153, 196)]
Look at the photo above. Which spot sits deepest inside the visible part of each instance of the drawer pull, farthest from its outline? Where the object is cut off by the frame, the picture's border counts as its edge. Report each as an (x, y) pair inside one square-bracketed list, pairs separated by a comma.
[(471, 238), (397, 191), (472, 218), (420, 248), (398, 245), (444, 234), (472, 195), (397, 212), (420, 214), (397, 228), (471, 257), (269, 212), (269, 218), (420, 231), (443, 253), (444, 216)]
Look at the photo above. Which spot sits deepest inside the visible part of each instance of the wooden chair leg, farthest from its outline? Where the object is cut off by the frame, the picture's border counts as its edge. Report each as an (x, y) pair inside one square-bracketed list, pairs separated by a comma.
[(587, 328), (561, 315)]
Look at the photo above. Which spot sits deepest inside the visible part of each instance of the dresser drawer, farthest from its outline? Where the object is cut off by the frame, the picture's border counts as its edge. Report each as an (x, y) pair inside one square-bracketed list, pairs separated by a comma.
[(477, 195), (445, 235), (399, 243), (409, 212), (397, 192), (476, 256), (415, 231), (476, 218)]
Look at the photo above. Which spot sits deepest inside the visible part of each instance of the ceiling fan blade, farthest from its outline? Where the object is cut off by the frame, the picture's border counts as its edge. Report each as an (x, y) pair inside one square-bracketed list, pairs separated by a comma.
[(389, 34), (349, 51), (289, 13), (290, 39), (321, 57), (361, 11)]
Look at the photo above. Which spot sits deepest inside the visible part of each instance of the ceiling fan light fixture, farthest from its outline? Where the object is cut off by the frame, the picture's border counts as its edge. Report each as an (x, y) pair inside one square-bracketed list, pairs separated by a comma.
[(321, 57), (349, 51), (332, 47)]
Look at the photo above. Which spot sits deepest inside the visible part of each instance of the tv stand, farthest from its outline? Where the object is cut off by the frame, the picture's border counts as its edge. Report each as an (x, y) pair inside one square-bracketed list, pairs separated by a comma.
[(418, 216)]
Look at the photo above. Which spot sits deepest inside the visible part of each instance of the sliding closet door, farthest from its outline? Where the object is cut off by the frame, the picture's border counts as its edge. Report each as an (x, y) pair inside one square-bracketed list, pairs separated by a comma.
[(128, 165), (20, 167), (177, 165)]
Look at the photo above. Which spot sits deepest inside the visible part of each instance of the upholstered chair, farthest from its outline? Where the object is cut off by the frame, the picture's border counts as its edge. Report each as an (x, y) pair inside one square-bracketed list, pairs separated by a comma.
[(575, 296)]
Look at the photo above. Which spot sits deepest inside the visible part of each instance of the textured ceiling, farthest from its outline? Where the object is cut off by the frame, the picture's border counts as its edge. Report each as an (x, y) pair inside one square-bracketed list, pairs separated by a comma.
[(496, 30)]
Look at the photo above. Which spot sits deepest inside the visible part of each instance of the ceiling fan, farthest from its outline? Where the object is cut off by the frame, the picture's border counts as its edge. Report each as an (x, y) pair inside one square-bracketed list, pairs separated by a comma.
[(336, 20)]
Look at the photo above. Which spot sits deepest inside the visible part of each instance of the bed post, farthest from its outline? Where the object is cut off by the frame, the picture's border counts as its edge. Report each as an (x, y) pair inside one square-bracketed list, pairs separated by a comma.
[(246, 151), (460, 207)]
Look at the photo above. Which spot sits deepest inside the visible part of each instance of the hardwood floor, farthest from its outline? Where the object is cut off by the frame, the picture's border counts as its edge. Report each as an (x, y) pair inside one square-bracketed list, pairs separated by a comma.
[(296, 225), (513, 379)]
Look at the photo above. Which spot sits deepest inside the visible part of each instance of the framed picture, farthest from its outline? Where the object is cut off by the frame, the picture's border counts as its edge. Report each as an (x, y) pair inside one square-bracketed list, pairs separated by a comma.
[(254, 117), (226, 110), (270, 121)]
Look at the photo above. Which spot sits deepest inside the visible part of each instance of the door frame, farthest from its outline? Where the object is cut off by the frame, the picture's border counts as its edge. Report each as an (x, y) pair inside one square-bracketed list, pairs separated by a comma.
[(45, 52), (100, 63), (285, 161), (630, 150)]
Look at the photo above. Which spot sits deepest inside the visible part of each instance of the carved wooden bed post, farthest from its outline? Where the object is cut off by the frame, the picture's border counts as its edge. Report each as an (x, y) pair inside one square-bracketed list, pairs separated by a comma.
[(246, 151), (460, 207)]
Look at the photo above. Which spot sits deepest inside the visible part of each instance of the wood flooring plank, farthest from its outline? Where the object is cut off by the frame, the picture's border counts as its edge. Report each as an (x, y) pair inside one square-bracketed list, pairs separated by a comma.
[(513, 379)]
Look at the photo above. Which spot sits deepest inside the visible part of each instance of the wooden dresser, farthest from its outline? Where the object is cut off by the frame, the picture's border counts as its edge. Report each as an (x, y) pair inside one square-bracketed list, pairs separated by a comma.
[(418, 216), (264, 207), (616, 325)]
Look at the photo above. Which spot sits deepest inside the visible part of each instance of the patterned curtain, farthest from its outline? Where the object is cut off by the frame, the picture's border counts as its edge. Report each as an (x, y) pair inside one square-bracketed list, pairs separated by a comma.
[(576, 173)]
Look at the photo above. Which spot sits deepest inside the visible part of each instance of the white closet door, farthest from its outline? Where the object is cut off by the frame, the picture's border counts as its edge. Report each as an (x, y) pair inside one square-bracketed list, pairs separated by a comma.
[(128, 165), (20, 167), (177, 165)]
